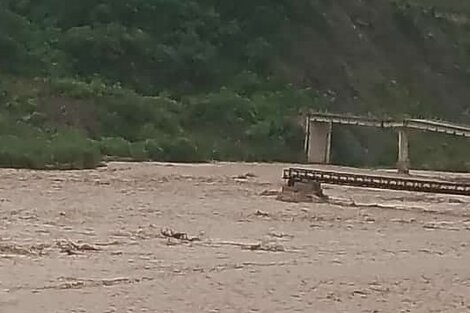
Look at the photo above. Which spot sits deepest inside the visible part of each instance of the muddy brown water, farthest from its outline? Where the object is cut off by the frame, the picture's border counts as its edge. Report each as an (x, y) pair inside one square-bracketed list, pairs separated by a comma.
[(201, 238)]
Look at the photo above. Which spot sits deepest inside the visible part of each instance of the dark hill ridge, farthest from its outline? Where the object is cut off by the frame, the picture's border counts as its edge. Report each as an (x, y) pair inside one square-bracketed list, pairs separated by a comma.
[(204, 79)]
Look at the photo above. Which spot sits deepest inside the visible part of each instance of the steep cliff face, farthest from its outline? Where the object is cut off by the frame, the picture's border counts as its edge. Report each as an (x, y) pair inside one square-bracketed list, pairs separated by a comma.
[(387, 57)]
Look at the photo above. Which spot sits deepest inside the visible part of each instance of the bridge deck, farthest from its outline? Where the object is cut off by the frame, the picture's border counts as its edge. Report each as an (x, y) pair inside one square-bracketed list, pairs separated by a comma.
[(376, 181), (418, 124)]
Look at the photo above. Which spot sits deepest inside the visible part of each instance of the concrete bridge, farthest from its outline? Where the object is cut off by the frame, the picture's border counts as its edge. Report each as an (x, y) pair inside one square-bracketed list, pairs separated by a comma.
[(319, 129)]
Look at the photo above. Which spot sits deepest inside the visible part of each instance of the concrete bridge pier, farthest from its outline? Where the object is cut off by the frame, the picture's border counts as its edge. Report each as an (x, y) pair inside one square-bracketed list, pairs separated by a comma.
[(403, 164), (318, 142)]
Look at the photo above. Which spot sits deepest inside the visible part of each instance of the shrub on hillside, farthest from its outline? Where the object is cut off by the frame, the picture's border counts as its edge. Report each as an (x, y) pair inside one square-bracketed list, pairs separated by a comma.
[(80, 89), (115, 146), (16, 152), (172, 150), (180, 150), (68, 150), (138, 151), (74, 151)]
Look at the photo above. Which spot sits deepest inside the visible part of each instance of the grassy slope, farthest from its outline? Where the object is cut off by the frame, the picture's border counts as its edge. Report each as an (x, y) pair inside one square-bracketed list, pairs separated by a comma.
[(381, 57)]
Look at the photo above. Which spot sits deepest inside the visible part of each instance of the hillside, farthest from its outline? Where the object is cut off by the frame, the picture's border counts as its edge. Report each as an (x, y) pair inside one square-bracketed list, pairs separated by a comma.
[(204, 79)]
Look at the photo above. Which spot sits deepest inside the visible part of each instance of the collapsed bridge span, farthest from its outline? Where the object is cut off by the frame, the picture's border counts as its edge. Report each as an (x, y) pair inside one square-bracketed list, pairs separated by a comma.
[(302, 175)]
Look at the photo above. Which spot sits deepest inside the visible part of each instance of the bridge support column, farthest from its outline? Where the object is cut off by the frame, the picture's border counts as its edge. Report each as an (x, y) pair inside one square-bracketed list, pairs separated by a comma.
[(318, 143), (403, 163)]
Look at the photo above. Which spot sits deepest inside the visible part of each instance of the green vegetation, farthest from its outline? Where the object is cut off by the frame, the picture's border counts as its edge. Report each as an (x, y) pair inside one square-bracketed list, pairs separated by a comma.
[(116, 122), (201, 80)]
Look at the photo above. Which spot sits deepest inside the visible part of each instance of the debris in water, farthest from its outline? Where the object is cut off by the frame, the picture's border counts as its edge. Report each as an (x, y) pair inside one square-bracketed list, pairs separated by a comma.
[(269, 193), (245, 176), (170, 233), (72, 248), (262, 213), (280, 235), (270, 247), (302, 192)]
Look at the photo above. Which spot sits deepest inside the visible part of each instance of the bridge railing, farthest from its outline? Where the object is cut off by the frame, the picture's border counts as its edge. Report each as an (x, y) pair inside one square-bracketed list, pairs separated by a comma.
[(417, 124), (294, 175)]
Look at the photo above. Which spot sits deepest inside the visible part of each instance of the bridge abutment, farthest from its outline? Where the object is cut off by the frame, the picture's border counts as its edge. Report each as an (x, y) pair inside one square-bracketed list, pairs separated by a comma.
[(318, 142)]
